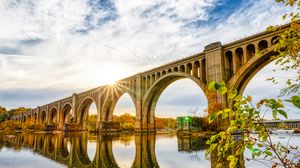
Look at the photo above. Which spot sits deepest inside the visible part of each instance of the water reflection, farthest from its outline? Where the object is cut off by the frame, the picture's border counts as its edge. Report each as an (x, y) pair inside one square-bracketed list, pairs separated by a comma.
[(84, 150)]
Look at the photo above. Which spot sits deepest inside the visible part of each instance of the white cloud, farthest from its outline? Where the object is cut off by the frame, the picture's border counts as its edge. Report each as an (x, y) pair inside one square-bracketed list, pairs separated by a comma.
[(141, 35)]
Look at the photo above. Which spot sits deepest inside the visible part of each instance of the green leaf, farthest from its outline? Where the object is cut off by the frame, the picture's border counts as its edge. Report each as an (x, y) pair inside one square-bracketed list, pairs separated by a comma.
[(268, 153), (274, 113), (211, 118), (211, 86), (283, 113), (213, 146), (238, 98), (224, 115), (255, 150), (295, 100), (217, 86), (222, 90)]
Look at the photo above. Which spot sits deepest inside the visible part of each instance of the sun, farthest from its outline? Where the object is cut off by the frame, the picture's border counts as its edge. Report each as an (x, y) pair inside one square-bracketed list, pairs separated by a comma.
[(110, 72)]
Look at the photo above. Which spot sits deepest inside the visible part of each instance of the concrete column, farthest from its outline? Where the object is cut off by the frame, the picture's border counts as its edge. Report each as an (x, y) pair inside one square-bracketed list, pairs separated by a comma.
[(245, 55), (47, 114), (138, 103), (99, 111), (38, 115), (58, 113), (215, 72), (234, 63), (74, 107)]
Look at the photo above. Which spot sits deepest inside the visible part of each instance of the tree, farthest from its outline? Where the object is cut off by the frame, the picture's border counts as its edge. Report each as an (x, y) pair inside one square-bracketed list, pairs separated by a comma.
[(244, 117), (92, 123), (288, 49)]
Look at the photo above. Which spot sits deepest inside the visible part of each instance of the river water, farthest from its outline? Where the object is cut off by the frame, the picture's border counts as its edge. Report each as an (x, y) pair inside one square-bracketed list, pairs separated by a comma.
[(40, 150)]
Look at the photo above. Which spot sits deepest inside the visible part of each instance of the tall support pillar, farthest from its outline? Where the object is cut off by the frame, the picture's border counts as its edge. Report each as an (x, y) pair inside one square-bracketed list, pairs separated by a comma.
[(38, 115), (74, 107), (215, 72), (99, 110), (47, 115), (58, 115), (139, 119)]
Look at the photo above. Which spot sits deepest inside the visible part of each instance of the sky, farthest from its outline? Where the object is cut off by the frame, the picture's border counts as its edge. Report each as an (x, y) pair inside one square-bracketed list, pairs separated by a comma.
[(51, 49)]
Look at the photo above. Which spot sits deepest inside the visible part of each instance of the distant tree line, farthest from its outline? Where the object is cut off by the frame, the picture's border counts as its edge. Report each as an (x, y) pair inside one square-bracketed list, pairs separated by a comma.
[(127, 122), (6, 114)]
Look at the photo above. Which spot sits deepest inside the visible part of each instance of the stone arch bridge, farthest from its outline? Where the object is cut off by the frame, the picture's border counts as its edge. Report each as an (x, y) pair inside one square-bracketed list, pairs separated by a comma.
[(235, 63)]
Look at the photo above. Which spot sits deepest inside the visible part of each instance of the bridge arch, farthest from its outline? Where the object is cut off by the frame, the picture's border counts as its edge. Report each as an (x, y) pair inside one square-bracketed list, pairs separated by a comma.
[(53, 115), (66, 110), (43, 117), (245, 73), (111, 102), (83, 110), (152, 95), (24, 118), (35, 116), (29, 118)]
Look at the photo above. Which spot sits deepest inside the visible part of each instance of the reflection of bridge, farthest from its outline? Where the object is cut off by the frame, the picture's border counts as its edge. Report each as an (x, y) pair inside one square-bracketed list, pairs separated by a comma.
[(284, 123), (235, 63), (71, 149)]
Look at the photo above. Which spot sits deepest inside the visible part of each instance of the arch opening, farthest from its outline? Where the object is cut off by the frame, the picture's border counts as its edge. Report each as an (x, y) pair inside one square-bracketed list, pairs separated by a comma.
[(43, 117), (182, 68), (250, 51), (151, 99), (189, 69), (239, 57), (52, 116), (88, 114), (262, 45), (158, 75), (196, 69), (124, 113), (66, 115), (35, 116), (123, 147), (176, 69), (172, 106), (229, 64), (275, 40)]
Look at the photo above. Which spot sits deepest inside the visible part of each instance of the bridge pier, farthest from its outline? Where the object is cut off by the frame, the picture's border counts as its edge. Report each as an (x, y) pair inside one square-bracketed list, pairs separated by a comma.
[(215, 72)]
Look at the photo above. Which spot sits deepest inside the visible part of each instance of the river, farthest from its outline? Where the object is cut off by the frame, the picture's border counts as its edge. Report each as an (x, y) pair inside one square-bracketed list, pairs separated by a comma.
[(41, 150)]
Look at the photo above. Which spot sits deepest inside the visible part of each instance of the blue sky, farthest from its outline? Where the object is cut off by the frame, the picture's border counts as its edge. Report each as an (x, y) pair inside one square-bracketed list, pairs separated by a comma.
[(50, 49)]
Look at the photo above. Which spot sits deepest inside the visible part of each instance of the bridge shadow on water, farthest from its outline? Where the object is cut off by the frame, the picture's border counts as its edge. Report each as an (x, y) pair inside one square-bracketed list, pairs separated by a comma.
[(71, 149)]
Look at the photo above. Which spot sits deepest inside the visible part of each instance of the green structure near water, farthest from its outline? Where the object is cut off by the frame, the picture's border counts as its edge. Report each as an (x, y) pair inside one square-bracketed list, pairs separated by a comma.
[(184, 122), (189, 123)]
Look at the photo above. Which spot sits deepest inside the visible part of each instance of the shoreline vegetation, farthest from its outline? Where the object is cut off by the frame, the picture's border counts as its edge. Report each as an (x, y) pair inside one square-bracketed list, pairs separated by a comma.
[(163, 125), (126, 121)]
